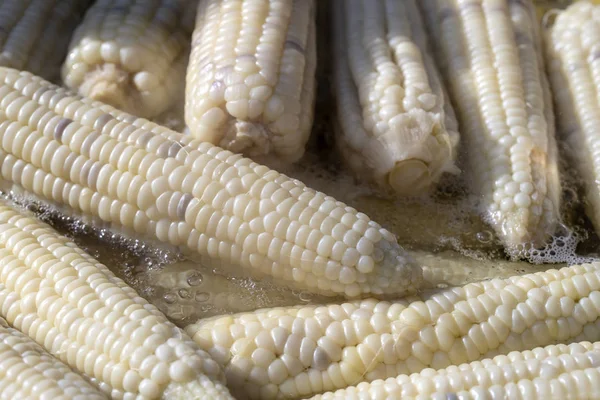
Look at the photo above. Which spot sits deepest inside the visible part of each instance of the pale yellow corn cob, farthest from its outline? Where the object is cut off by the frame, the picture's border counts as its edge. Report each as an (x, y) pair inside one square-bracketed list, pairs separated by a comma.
[(28, 372), (183, 191), (302, 351), (251, 79), (131, 54), (397, 127), (490, 54), (552, 372), (80, 312), (573, 46), (35, 34)]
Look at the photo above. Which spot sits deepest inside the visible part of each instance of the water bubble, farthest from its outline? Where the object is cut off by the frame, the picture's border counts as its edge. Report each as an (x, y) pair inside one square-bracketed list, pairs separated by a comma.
[(195, 278), (184, 293), (170, 298), (201, 297), (305, 296), (484, 237), (206, 308)]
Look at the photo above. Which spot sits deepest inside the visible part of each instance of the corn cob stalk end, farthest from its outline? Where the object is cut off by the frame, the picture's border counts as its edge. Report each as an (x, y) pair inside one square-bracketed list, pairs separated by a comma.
[(422, 169)]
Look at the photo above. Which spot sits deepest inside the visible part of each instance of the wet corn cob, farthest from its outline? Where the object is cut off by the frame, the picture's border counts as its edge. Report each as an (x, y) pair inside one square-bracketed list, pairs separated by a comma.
[(35, 34), (251, 78), (397, 127), (80, 312), (553, 372), (27, 371), (573, 46), (131, 54), (186, 192), (302, 351), (490, 54)]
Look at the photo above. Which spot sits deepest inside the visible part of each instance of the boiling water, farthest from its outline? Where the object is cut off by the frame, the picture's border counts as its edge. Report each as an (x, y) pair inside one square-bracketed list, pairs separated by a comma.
[(443, 232)]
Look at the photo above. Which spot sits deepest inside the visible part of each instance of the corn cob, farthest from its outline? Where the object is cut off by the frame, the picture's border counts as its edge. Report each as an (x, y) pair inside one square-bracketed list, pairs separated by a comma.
[(183, 191), (80, 312), (27, 371), (552, 372), (302, 351), (251, 78), (490, 55), (131, 54), (35, 34), (396, 126), (573, 43)]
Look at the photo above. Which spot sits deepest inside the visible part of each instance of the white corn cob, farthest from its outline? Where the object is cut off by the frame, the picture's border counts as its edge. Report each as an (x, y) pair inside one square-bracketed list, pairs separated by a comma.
[(251, 79), (306, 350), (490, 54), (131, 54), (573, 46), (27, 371), (35, 34), (80, 312), (397, 127), (189, 193), (552, 372)]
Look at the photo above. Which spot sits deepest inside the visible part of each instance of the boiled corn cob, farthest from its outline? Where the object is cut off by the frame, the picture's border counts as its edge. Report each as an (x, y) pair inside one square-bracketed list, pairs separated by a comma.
[(302, 351), (27, 371), (80, 312), (131, 54), (189, 193), (251, 79), (552, 372), (397, 127), (35, 34), (573, 45), (490, 54)]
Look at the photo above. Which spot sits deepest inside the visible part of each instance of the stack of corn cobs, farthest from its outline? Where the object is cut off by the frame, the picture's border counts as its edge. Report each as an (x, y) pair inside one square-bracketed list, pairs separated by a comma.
[(416, 82)]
